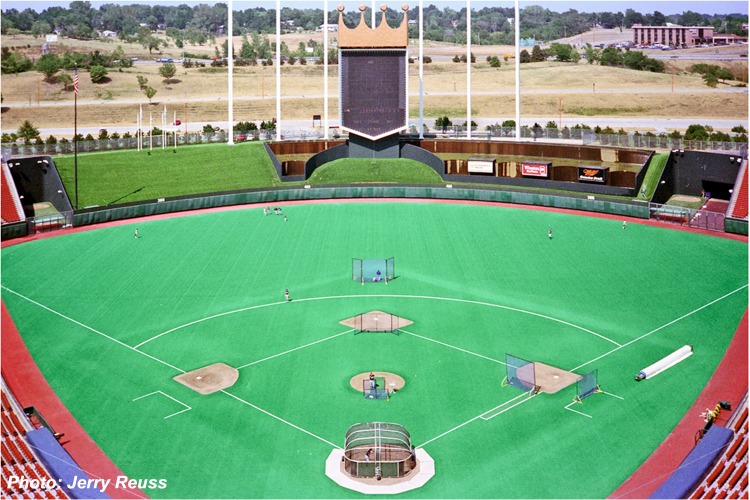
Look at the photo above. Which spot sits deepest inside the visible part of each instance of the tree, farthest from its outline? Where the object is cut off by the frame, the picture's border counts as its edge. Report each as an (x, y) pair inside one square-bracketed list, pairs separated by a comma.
[(40, 28), (48, 65), (525, 56), (537, 54), (97, 74), (27, 131), (495, 62), (66, 80), (142, 82), (443, 123), (168, 70), (697, 133), (150, 92), (611, 57)]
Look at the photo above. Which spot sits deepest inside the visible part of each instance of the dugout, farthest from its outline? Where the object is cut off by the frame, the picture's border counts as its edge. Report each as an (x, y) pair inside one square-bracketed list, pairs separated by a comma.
[(43, 197), (378, 450), (698, 173)]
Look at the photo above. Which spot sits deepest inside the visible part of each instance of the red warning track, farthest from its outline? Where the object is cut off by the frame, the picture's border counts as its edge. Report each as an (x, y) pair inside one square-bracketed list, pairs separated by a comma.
[(729, 383), (30, 388)]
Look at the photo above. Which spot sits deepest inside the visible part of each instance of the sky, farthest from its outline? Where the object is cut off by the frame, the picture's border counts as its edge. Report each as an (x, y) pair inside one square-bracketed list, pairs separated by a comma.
[(666, 7)]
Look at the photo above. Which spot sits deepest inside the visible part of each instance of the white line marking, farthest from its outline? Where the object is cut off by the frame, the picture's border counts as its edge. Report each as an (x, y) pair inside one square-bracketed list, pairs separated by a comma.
[(187, 408), (470, 421), (576, 411), (613, 395), (280, 419), (428, 297), (451, 346), (92, 329), (207, 318), (661, 327), (294, 349), (484, 416)]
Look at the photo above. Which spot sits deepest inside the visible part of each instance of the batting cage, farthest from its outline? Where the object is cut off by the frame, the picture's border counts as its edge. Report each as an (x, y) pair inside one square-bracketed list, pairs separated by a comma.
[(374, 388), (378, 450), (587, 385), (520, 373), (373, 270)]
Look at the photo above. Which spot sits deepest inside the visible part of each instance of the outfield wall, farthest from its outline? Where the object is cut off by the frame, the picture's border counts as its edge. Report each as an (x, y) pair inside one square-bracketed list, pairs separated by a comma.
[(589, 203)]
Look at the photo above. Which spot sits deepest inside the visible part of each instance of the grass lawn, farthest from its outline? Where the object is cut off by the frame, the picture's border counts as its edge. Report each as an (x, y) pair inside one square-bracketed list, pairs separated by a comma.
[(365, 170), (653, 174), (127, 176)]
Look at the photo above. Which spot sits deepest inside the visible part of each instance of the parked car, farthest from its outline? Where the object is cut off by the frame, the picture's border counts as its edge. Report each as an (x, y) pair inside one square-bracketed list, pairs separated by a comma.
[(165, 60), (177, 122), (241, 138)]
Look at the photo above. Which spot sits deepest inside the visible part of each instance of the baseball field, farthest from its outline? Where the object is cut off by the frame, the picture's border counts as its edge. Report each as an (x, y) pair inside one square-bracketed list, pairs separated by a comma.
[(111, 319)]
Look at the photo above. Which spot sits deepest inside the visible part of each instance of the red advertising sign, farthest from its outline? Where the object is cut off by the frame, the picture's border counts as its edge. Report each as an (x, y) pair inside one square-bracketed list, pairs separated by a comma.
[(535, 169)]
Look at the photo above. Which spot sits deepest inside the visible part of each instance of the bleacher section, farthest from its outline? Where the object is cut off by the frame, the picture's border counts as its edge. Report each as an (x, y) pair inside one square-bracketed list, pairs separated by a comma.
[(30, 478), (738, 205), (11, 209), (729, 478)]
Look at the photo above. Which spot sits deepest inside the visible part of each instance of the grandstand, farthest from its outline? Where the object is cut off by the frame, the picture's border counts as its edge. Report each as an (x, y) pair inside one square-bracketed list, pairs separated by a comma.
[(11, 209), (19, 460), (738, 205), (728, 477)]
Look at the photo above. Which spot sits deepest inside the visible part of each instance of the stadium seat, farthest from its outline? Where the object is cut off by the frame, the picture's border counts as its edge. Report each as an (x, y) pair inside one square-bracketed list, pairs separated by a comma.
[(740, 209), (10, 205)]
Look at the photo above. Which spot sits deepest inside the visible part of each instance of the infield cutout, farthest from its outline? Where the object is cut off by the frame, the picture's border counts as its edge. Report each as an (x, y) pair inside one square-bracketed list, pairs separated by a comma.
[(376, 321), (393, 382), (210, 378), (551, 379)]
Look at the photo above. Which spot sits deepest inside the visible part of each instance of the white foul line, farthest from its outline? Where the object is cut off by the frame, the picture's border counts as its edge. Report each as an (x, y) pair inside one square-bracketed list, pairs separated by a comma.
[(661, 327), (279, 418), (451, 346), (294, 349), (92, 329)]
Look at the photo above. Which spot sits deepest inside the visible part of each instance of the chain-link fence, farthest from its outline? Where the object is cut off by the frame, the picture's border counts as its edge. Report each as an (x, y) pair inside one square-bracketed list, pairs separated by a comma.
[(582, 136)]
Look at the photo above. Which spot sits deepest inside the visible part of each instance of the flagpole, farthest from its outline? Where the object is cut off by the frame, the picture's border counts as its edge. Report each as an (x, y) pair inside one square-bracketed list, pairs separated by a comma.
[(75, 134)]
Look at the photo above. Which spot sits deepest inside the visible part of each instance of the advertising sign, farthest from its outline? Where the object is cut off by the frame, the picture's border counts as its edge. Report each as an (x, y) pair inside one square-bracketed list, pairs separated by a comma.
[(597, 175), (481, 166), (535, 169)]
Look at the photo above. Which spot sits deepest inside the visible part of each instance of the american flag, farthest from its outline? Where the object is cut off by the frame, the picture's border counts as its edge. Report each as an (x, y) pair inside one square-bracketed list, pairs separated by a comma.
[(75, 81)]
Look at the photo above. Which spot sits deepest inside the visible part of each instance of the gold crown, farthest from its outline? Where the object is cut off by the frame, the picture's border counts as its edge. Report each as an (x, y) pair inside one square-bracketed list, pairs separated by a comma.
[(381, 37)]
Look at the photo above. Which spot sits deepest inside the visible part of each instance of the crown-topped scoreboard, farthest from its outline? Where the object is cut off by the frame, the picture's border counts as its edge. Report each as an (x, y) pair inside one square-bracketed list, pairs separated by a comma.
[(373, 69)]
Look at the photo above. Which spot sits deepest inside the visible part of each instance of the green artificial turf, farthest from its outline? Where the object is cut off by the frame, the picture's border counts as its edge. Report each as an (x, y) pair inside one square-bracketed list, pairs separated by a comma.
[(117, 177), (111, 319)]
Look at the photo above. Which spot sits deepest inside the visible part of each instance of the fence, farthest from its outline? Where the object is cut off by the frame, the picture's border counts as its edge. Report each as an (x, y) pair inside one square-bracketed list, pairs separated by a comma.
[(534, 134), (699, 219)]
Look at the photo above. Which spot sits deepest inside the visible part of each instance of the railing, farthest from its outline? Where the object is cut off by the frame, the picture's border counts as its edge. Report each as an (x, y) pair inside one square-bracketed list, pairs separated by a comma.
[(700, 219), (582, 136)]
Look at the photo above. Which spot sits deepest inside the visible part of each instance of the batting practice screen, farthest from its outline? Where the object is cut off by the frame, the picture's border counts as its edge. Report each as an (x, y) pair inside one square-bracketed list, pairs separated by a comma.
[(373, 91), (373, 270), (520, 373), (587, 385)]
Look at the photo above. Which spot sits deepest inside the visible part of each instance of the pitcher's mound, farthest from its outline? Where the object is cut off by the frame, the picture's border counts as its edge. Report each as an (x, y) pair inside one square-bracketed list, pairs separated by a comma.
[(210, 378), (393, 382)]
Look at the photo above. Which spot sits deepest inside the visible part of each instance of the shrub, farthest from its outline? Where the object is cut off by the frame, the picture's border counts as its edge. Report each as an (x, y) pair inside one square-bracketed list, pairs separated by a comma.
[(97, 73)]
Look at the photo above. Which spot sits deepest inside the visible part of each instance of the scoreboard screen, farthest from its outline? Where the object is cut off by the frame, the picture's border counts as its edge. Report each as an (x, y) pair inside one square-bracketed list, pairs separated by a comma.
[(373, 91)]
